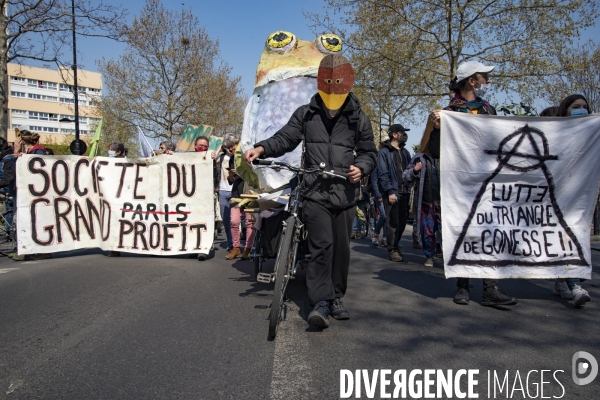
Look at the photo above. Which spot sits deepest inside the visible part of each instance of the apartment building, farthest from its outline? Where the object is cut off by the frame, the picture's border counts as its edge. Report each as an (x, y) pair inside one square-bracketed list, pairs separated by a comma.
[(40, 97)]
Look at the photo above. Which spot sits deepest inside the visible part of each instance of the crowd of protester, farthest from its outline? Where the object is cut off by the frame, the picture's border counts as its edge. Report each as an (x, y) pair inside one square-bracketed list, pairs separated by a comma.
[(401, 187)]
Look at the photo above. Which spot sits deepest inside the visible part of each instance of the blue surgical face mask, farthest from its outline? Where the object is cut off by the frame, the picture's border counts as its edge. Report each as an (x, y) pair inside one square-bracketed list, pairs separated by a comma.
[(579, 111), (112, 153)]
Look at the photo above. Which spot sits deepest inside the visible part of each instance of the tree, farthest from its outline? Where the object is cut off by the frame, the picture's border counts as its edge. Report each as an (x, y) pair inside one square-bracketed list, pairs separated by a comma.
[(170, 75), (39, 30), (406, 52), (580, 74)]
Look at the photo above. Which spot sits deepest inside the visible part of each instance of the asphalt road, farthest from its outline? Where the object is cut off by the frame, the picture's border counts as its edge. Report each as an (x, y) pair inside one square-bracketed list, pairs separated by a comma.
[(85, 326)]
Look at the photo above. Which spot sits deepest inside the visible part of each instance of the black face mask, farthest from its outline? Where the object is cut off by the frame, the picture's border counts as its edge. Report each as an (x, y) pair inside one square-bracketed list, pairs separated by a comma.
[(403, 138), (434, 144)]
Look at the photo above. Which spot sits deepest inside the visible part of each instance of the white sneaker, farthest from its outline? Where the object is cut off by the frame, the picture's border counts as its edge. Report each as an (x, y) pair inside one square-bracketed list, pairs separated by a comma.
[(562, 289), (580, 296), (428, 262)]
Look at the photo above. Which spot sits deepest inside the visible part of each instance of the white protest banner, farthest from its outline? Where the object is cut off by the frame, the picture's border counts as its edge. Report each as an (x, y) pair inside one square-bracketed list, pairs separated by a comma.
[(518, 195), (161, 205)]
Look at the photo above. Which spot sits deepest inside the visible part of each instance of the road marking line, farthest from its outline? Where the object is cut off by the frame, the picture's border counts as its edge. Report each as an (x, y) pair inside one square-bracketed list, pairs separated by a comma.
[(17, 383), (292, 374), (4, 271)]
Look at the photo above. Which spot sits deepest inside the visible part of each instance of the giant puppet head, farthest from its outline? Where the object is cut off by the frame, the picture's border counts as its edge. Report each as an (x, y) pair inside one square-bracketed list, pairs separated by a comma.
[(335, 80), (286, 78)]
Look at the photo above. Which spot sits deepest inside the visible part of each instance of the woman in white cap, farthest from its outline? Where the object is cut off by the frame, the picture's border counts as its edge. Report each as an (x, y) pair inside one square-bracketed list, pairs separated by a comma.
[(468, 87)]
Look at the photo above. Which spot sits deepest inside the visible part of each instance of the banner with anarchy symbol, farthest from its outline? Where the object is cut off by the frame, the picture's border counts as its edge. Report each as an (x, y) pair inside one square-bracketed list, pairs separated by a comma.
[(518, 195)]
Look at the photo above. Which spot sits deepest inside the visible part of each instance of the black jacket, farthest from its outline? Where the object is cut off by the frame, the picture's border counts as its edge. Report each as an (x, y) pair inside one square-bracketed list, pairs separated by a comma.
[(9, 173), (350, 143)]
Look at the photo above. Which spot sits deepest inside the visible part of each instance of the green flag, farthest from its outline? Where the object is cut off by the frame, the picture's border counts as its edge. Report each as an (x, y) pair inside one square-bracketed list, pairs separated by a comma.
[(95, 140)]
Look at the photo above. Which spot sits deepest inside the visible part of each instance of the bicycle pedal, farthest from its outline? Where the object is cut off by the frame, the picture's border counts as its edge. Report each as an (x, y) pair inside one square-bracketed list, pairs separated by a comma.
[(263, 277)]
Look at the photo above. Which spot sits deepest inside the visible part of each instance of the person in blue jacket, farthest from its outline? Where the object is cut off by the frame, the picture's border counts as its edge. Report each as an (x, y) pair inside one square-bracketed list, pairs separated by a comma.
[(392, 161)]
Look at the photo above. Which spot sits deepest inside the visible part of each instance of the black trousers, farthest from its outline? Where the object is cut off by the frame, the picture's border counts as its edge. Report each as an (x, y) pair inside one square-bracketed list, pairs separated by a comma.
[(488, 284), (396, 216), (329, 233)]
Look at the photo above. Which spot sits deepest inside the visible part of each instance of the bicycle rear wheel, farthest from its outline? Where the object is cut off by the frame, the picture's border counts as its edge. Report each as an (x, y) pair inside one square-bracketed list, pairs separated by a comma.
[(284, 259)]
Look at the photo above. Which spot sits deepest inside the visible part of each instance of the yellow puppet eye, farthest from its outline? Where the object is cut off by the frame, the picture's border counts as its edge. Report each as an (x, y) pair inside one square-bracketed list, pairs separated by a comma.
[(329, 43), (338, 81), (328, 81), (281, 41)]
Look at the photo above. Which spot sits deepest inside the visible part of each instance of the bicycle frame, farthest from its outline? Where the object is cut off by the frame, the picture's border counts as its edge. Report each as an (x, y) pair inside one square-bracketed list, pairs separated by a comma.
[(286, 261)]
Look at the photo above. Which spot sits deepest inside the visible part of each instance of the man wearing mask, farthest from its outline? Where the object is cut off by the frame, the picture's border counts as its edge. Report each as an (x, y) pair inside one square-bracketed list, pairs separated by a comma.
[(392, 161), (338, 134)]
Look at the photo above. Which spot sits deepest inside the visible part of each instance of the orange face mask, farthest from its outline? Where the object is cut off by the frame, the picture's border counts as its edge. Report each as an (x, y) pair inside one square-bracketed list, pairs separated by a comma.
[(335, 80)]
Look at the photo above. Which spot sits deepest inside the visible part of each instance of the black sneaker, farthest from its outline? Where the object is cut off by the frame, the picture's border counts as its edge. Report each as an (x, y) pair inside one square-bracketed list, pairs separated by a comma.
[(319, 316), (337, 309), (462, 296), (497, 297)]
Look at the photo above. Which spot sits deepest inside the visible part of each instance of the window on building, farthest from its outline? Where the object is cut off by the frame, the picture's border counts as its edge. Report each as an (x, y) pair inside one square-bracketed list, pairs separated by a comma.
[(68, 101), (69, 88), (19, 113), (43, 116), (41, 97), (41, 84), (72, 131), (17, 94), (82, 120), (43, 129), (18, 80)]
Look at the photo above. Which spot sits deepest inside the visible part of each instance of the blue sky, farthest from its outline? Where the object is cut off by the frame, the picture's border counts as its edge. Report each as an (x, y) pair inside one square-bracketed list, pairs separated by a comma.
[(241, 27)]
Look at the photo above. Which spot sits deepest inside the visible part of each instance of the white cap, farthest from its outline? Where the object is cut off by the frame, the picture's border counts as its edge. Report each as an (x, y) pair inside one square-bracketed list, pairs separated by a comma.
[(21, 128), (470, 68)]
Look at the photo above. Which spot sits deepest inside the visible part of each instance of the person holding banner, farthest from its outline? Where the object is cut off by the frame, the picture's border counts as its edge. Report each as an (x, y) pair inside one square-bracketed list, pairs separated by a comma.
[(117, 150), (166, 148), (27, 142), (228, 147), (570, 289), (201, 145), (469, 86)]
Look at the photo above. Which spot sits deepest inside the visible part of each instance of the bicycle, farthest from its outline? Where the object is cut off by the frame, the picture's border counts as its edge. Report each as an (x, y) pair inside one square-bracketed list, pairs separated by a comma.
[(7, 225), (292, 234), (370, 218)]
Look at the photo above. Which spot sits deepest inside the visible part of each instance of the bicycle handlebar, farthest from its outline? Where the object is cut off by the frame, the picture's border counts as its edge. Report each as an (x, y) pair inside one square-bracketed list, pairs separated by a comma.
[(276, 164)]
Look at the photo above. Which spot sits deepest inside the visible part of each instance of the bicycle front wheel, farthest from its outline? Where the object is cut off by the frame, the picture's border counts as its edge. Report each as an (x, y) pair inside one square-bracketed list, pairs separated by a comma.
[(284, 259)]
